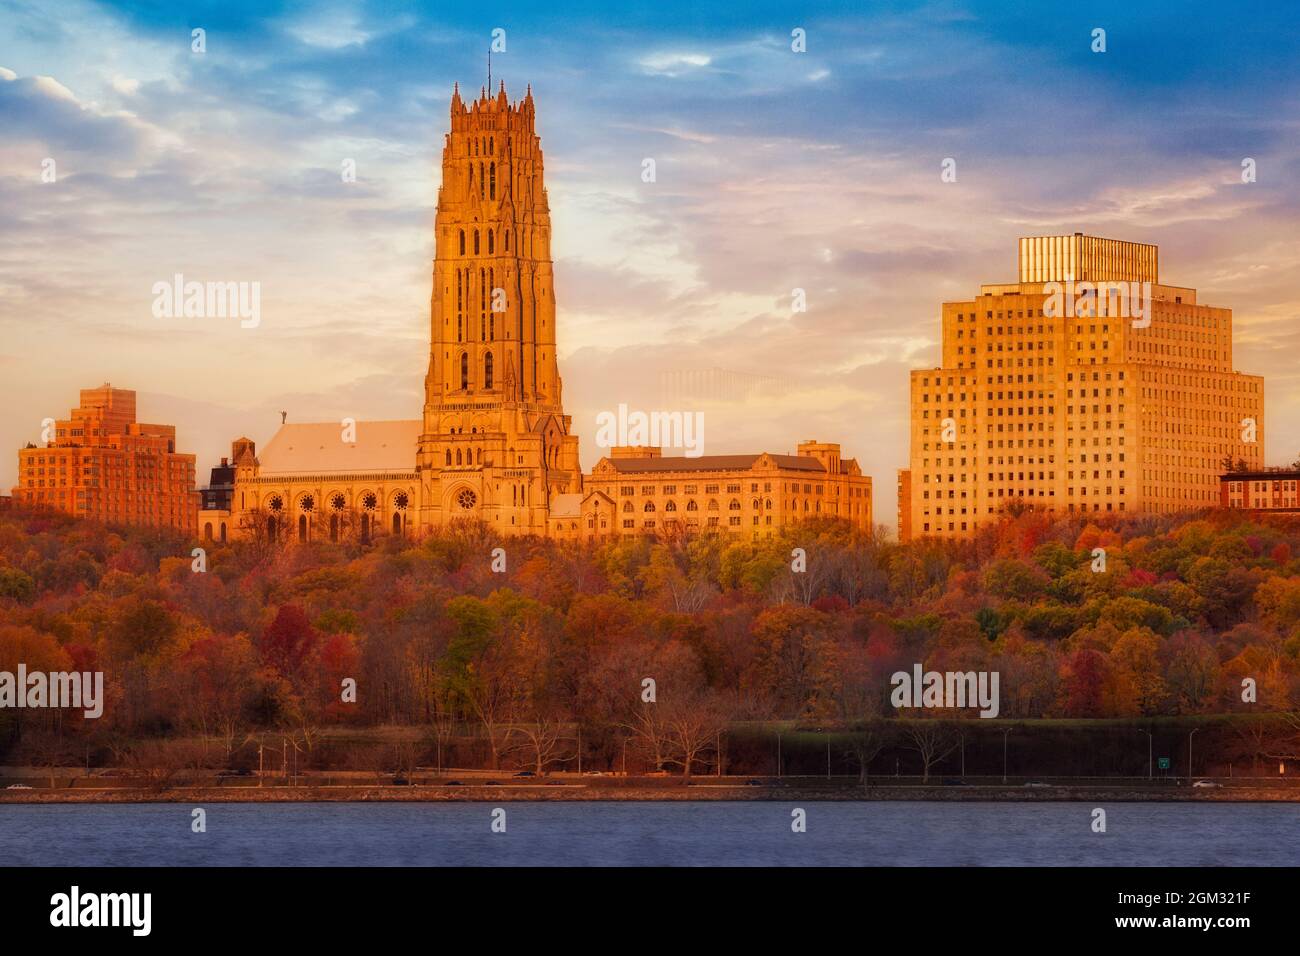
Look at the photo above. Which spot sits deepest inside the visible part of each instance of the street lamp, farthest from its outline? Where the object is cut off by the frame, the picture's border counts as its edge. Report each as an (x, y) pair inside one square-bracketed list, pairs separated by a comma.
[(1005, 731), (1149, 745), (1189, 754)]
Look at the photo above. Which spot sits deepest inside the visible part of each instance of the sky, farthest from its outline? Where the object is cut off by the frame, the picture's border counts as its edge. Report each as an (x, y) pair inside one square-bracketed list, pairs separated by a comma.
[(775, 170)]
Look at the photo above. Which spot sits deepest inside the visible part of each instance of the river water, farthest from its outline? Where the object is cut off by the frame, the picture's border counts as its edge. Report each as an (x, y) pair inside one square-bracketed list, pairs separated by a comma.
[(652, 834)]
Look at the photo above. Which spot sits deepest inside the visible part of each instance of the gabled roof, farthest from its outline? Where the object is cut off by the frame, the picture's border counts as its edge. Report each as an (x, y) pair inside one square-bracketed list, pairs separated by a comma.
[(318, 447), (569, 504), (713, 463)]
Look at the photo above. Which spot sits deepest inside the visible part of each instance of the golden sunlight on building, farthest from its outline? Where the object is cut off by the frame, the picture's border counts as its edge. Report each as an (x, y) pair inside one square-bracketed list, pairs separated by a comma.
[(101, 463), (1086, 386), (753, 495), (494, 444)]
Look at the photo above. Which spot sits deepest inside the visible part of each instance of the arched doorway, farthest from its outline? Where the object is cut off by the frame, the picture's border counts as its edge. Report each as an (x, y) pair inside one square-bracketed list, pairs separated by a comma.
[(397, 524), (302, 527)]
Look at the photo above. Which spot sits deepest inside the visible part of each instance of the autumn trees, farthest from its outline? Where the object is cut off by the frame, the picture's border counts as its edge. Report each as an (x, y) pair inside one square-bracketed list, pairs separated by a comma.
[(1151, 616)]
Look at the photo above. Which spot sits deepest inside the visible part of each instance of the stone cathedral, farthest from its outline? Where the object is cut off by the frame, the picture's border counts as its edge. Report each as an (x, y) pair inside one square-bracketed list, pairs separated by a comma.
[(494, 444)]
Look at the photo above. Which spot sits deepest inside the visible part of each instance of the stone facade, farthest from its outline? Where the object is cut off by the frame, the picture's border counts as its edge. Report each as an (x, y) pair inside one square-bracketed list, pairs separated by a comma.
[(750, 495), (1099, 412), (494, 443)]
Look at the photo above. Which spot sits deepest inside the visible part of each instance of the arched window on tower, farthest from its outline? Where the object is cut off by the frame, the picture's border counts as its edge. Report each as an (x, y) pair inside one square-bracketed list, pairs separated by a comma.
[(464, 370), (491, 241), (487, 370), (492, 181), (475, 242), (480, 180), (448, 457), (462, 242), (459, 459), (507, 238)]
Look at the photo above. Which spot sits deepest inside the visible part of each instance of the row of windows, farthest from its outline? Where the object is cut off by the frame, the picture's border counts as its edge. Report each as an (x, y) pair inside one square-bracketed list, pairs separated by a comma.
[(491, 241)]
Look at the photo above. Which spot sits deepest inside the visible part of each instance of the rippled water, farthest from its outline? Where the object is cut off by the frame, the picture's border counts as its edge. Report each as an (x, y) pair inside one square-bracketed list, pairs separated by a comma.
[(673, 834)]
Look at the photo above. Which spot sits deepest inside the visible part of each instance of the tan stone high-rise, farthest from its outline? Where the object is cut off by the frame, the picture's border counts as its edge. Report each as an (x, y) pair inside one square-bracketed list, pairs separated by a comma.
[(1065, 392)]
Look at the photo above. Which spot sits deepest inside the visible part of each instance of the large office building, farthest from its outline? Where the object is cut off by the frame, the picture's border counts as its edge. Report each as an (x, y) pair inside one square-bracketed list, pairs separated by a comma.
[(1086, 386), (101, 463)]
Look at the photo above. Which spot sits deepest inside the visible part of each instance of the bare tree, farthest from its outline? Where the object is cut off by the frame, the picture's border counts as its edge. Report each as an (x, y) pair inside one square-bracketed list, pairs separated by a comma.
[(442, 719), (648, 727), (866, 743), (544, 741), (932, 740), (692, 724)]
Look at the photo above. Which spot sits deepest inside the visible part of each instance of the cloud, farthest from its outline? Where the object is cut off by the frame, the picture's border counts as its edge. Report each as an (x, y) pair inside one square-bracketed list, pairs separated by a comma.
[(776, 171)]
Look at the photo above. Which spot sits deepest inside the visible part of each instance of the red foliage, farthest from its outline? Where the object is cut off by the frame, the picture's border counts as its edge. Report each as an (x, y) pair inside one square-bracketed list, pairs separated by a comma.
[(1139, 578), (289, 639), (1084, 677), (831, 604)]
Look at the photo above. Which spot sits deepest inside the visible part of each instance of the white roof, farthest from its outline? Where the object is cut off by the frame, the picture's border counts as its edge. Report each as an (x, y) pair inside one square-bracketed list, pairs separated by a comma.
[(318, 447)]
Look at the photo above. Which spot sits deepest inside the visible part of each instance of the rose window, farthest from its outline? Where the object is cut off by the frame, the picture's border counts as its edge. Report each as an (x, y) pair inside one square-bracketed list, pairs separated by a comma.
[(401, 500), (338, 502), (307, 504), (369, 501), (276, 503), (467, 499)]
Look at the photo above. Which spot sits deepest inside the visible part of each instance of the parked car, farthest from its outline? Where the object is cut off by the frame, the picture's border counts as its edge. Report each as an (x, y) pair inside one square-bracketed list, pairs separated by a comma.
[(401, 782), (1206, 783), (593, 773), (1037, 785), (453, 783), (526, 773), (18, 786), (753, 782)]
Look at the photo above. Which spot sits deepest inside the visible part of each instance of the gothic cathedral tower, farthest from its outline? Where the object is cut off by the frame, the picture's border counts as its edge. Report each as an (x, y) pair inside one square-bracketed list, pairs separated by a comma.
[(495, 444)]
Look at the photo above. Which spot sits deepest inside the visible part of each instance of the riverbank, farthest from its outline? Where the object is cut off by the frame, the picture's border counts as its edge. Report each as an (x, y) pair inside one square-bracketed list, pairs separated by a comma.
[(576, 792)]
